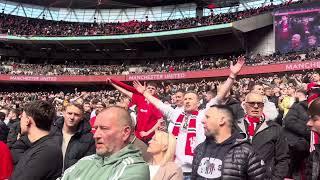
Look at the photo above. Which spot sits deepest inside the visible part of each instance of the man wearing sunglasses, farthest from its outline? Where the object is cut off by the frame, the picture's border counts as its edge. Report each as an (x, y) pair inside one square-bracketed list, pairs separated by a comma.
[(266, 137)]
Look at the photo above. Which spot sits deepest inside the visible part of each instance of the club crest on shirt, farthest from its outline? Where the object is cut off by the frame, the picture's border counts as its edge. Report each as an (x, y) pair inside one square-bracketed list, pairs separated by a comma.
[(210, 168), (193, 143)]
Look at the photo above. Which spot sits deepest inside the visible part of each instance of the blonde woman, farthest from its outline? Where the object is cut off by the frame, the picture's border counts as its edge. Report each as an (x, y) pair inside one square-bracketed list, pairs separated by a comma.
[(162, 148)]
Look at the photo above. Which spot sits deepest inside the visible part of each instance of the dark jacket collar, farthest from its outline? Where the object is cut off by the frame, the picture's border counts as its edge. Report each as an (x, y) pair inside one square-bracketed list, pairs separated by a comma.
[(83, 127)]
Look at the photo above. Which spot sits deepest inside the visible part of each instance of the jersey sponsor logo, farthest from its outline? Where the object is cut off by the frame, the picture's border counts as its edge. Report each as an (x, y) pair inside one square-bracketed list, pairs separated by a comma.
[(144, 110), (210, 168)]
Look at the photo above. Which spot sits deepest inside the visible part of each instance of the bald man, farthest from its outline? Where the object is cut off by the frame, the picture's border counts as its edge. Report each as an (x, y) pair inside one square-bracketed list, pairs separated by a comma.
[(266, 137), (115, 157)]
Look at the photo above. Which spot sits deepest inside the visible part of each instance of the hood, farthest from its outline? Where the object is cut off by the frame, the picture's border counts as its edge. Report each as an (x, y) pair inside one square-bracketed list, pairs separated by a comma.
[(128, 152)]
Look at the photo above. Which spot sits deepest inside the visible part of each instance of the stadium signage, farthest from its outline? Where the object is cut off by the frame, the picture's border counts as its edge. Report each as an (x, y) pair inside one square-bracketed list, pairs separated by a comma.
[(156, 76), (262, 69), (303, 65), (33, 78)]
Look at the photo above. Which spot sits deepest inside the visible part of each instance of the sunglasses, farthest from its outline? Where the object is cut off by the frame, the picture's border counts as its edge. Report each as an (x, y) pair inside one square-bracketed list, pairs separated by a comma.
[(252, 104)]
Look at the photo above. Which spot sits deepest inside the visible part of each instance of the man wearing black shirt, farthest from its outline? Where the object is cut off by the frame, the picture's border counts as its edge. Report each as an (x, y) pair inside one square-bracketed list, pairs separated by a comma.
[(43, 160), (224, 154)]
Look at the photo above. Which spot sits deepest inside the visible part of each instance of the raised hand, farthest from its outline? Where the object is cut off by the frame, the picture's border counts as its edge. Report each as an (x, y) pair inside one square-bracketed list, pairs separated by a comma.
[(143, 134), (139, 87), (235, 69)]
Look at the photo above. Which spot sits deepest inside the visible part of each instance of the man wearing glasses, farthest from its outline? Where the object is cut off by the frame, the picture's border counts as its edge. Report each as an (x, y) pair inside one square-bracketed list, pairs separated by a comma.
[(266, 137)]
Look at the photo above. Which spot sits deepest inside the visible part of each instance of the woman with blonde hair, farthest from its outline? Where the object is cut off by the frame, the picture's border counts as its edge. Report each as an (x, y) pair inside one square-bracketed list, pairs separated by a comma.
[(162, 148)]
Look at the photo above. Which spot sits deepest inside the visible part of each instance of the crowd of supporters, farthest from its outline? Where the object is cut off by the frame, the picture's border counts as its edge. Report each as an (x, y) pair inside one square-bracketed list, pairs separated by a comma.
[(166, 90), (279, 92), (151, 66), (14, 25)]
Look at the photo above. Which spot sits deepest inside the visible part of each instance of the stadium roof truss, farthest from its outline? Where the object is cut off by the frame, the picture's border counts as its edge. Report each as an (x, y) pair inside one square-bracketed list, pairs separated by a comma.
[(158, 13)]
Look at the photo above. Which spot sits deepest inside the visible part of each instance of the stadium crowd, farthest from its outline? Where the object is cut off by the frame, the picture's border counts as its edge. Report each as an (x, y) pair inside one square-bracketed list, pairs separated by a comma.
[(14, 25), (74, 129), (151, 66)]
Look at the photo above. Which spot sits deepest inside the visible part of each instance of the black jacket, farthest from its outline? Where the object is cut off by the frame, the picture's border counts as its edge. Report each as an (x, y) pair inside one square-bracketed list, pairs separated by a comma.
[(239, 161), (14, 130), (295, 127), (270, 143), (4, 130), (34, 162), (235, 105), (81, 143), (19, 147), (313, 164)]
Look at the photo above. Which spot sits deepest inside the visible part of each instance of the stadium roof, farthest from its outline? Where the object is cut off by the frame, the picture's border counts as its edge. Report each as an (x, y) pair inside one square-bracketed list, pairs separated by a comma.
[(104, 4)]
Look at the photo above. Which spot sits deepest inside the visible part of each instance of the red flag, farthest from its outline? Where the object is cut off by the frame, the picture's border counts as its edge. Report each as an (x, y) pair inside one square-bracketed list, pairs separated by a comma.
[(125, 86)]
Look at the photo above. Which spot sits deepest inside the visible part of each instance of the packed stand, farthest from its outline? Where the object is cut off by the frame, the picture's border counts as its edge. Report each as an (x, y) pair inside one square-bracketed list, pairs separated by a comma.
[(184, 130), (162, 65), (14, 25)]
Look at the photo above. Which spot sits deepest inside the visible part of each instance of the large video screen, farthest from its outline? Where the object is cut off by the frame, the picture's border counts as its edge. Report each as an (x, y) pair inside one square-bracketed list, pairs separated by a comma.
[(297, 29)]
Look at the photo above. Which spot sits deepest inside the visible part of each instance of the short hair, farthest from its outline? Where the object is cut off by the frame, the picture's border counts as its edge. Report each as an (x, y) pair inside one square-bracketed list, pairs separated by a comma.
[(251, 86), (42, 112), (152, 84), (2, 116), (15, 111), (252, 94), (227, 111), (193, 92), (181, 91), (75, 104), (124, 116), (267, 88), (303, 91), (314, 107), (212, 93)]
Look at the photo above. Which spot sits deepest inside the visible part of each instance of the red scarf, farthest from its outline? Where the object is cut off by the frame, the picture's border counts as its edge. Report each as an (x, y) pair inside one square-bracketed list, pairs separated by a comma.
[(314, 140), (189, 124), (252, 124)]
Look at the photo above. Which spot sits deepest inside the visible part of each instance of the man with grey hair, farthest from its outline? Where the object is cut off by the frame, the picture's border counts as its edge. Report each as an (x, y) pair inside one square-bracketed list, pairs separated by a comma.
[(115, 157), (266, 137)]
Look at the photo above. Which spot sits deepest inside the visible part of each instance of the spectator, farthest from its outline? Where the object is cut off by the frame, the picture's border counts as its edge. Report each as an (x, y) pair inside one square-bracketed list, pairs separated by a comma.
[(187, 125), (287, 101), (87, 111), (162, 147), (6, 163), (73, 134), (148, 116), (313, 164), (298, 136), (269, 108), (14, 126), (115, 156), (266, 137), (178, 108), (4, 130), (37, 118), (225, 155)]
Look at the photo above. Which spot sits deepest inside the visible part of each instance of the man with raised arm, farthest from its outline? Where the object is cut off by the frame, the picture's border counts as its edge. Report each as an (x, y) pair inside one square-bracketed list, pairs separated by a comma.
[(188, 128), (148, 116)]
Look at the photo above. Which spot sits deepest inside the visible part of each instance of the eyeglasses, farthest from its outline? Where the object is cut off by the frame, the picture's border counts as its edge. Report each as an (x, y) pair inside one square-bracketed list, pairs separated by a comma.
[(252, 104)]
